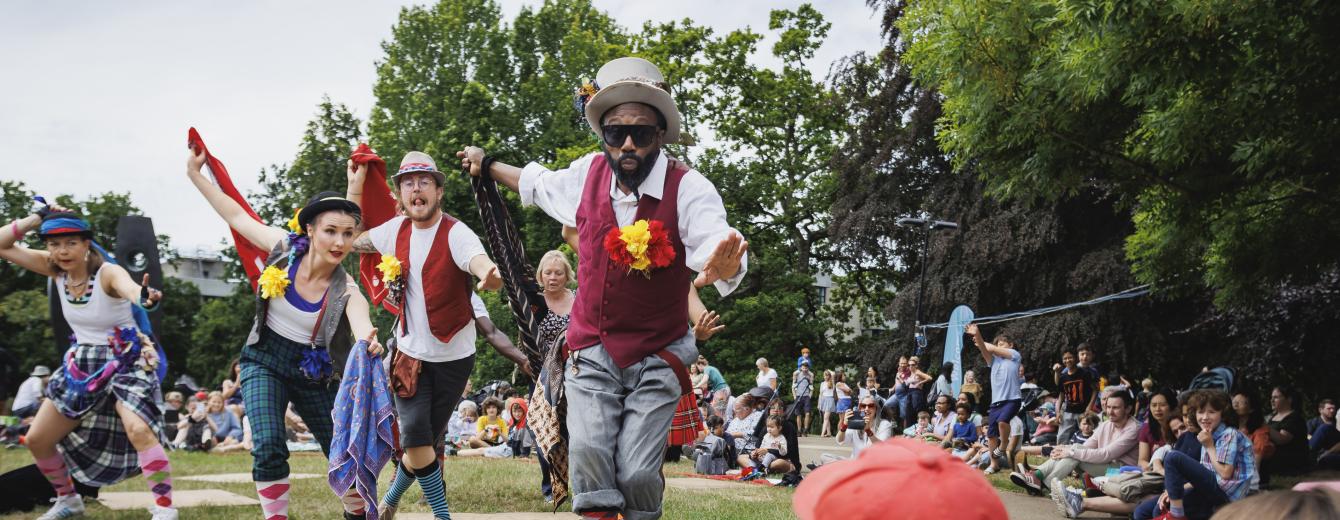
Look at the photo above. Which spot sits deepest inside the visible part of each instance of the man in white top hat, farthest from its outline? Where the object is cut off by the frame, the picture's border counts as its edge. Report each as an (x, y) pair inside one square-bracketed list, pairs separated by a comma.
[(435, 329), (645, 223), (29, 397)]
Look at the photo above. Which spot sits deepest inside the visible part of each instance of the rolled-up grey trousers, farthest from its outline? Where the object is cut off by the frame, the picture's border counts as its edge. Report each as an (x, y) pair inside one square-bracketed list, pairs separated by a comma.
[(618, 420)]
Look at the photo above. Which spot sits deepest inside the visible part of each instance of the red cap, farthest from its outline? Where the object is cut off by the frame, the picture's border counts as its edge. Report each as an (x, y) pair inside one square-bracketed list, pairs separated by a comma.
[(898, 478), (201, 395)]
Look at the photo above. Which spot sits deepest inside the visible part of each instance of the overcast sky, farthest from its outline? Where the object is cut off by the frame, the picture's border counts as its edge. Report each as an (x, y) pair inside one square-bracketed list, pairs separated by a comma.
[(97, 96)]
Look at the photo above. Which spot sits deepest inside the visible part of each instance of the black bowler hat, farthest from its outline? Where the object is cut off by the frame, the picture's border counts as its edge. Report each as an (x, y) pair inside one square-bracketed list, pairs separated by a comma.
[(323, 202)]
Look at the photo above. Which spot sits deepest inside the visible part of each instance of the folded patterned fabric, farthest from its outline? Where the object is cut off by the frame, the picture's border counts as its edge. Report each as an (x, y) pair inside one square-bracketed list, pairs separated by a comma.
[(363, 416), (253, 258)]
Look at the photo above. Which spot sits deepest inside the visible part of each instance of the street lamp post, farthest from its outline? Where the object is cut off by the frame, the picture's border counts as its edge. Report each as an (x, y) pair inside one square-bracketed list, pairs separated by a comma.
[(929, 225)]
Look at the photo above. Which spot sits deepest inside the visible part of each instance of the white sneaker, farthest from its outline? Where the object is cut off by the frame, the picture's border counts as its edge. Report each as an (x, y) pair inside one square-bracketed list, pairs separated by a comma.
[(67, 506), (163, 513)]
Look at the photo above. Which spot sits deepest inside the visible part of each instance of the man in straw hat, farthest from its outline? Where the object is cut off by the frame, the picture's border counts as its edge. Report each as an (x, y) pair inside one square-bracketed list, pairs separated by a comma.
[(435, 255), (645, 222)]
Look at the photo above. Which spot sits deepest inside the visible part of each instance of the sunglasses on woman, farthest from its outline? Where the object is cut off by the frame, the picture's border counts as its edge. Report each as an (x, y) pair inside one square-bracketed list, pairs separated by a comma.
[(616, 135)]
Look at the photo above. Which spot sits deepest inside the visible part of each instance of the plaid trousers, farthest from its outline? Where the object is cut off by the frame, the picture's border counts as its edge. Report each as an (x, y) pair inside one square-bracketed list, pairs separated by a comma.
[(270, 380)]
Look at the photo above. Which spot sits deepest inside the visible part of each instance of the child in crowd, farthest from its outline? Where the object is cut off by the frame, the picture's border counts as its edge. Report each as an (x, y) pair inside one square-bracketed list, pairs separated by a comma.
[(1142, 400), (771, 449), (490, 429), (921, 428), (964, 432), (519, 437), (461, 425), (1048, 423), (710, 453), (971, 386), (1087, 424)]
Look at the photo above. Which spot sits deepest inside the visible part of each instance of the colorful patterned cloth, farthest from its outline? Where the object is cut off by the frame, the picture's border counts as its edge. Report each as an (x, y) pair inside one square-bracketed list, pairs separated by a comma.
[(98, 451), (363, 442)]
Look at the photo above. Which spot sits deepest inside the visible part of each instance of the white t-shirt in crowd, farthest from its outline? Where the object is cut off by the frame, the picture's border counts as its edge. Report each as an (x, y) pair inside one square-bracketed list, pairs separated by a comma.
[(29, 392), (765, 377), (825, 389), (419, 342)]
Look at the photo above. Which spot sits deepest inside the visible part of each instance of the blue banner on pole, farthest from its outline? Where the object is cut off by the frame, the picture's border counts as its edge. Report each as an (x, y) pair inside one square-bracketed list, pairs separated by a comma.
[(958, 320)]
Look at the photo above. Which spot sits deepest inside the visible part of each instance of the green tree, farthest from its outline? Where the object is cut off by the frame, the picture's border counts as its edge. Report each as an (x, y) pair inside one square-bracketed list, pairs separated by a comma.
[(1214, 122), (319, 165)]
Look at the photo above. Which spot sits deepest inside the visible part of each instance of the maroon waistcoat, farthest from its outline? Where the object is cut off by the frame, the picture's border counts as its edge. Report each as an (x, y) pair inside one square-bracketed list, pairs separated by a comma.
[(632, 315), (446, 289)]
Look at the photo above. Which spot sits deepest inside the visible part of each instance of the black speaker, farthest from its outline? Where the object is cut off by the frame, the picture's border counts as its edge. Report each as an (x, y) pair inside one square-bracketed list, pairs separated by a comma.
[(137, 251)]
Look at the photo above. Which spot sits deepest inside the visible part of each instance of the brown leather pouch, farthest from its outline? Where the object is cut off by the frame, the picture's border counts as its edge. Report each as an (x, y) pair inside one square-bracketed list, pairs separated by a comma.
[(405, 374)]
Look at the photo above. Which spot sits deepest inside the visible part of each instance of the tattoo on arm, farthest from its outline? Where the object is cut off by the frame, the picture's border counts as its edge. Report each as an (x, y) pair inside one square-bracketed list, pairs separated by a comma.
[(363, 244)]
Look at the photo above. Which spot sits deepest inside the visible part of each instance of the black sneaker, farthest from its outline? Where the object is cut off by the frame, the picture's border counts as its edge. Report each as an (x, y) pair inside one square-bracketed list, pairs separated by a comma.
[(351, 516)]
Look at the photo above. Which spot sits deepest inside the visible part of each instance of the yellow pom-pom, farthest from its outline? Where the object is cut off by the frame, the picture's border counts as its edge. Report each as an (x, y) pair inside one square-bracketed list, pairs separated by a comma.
[(273, 282), (390, 268), (636, 237), (293, 222)]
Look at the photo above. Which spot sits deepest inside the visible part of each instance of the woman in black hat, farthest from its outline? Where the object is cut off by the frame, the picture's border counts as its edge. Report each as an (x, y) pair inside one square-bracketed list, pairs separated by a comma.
[(308, 312), (99, 405)]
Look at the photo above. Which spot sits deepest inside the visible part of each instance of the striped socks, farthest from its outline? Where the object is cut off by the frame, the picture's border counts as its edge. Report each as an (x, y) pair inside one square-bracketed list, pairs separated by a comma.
[(430, 479), (158, 471), (353, 503), (53, 468), (403, 479), (274, 498)]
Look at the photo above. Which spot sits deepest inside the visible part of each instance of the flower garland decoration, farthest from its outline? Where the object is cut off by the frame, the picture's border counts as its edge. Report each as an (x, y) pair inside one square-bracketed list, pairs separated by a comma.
[(642, 246), (274, 280), (583, 94)]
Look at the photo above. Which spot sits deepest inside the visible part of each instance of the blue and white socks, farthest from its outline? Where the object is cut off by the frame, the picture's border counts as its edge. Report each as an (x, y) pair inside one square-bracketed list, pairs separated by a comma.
[(430, 479), (403, 479)]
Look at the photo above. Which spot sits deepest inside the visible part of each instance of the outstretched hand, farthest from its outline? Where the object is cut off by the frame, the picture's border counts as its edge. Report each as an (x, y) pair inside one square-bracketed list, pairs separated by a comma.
[(149, 295), (492, 281), (706, 327), (724, 262)]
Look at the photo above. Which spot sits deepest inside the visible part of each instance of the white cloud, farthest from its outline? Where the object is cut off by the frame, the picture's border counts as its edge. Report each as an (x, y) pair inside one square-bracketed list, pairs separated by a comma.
[(97, 97)]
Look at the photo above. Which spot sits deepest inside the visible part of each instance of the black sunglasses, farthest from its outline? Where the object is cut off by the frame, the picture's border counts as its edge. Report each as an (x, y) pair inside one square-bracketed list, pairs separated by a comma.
[(642, 135)]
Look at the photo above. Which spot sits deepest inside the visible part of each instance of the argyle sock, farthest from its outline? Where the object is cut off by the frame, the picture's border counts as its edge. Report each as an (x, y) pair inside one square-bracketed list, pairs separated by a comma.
[(353, 503), (430, 480), (403, 479), (274, 498), (53, 468), (157, 470)]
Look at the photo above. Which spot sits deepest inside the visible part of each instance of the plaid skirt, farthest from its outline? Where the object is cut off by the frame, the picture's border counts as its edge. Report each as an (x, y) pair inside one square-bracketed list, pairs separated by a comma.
[(687, 421), (98, 451)]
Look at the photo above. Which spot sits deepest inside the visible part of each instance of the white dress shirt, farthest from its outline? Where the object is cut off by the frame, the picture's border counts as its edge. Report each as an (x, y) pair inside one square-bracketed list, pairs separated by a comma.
[(702, 216)]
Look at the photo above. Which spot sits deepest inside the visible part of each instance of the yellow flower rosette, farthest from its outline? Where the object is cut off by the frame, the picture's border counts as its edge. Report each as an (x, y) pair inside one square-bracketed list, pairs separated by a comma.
[(273, 282), (390, 268)]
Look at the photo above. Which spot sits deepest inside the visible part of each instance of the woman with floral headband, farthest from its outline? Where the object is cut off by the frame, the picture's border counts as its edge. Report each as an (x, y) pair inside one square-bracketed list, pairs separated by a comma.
[(308, 311), (108, 373)]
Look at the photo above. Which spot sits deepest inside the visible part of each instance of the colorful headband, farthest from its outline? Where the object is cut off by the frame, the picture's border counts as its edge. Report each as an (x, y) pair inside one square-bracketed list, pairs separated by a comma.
[(64, 226)]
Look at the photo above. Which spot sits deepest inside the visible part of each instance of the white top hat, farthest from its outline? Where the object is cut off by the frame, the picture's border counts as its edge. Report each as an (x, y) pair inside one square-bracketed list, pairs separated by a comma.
[(632, 80)]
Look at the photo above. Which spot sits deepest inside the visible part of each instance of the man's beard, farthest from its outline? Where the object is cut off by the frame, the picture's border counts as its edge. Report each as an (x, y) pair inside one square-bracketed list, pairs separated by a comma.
[(632, 179), (428, 209)]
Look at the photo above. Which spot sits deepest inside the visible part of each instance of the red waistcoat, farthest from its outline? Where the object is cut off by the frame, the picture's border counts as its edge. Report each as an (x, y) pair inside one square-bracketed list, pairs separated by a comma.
[(446, 289), (632, 315)]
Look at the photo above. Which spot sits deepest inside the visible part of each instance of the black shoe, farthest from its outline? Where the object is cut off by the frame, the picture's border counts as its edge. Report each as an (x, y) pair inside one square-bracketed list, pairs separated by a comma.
[(812, 466), (351, 516)]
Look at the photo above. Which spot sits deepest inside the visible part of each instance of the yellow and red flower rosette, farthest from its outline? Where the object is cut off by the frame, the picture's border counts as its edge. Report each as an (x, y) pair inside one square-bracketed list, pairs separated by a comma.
[(390, 268), (273, 282), (642, 246)]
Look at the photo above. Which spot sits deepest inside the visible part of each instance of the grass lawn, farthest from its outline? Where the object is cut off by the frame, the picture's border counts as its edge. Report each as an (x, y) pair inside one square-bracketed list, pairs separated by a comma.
[(473, 485), (1001, 481)]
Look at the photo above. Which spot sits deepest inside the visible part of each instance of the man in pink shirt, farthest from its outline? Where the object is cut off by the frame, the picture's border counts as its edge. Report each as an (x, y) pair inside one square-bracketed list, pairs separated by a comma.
[(1113, 444)]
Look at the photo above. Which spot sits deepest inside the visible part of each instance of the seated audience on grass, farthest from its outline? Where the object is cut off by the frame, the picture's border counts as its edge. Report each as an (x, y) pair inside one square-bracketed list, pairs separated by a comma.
[(1119, 500), (971, 386), (1325, 415), (1088, 423), (29, 397), (979, 455), (172, 413), (1113, 445), (970, 400), (740, 428), (1288, 432), (942, 420), (770, 455), (1142, 399), (227, 430), (490, 429), (461, 424), (860, 438), (1078, 387), (710, 452), (1162, 408), (519, 436), (963, 433), (1251, 422), (1047, 421), (1195, 488), (921, 429), (232, 390)]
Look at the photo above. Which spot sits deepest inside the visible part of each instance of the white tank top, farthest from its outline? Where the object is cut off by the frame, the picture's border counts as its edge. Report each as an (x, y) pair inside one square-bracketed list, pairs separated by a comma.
[(291, 316), (94, 320)]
